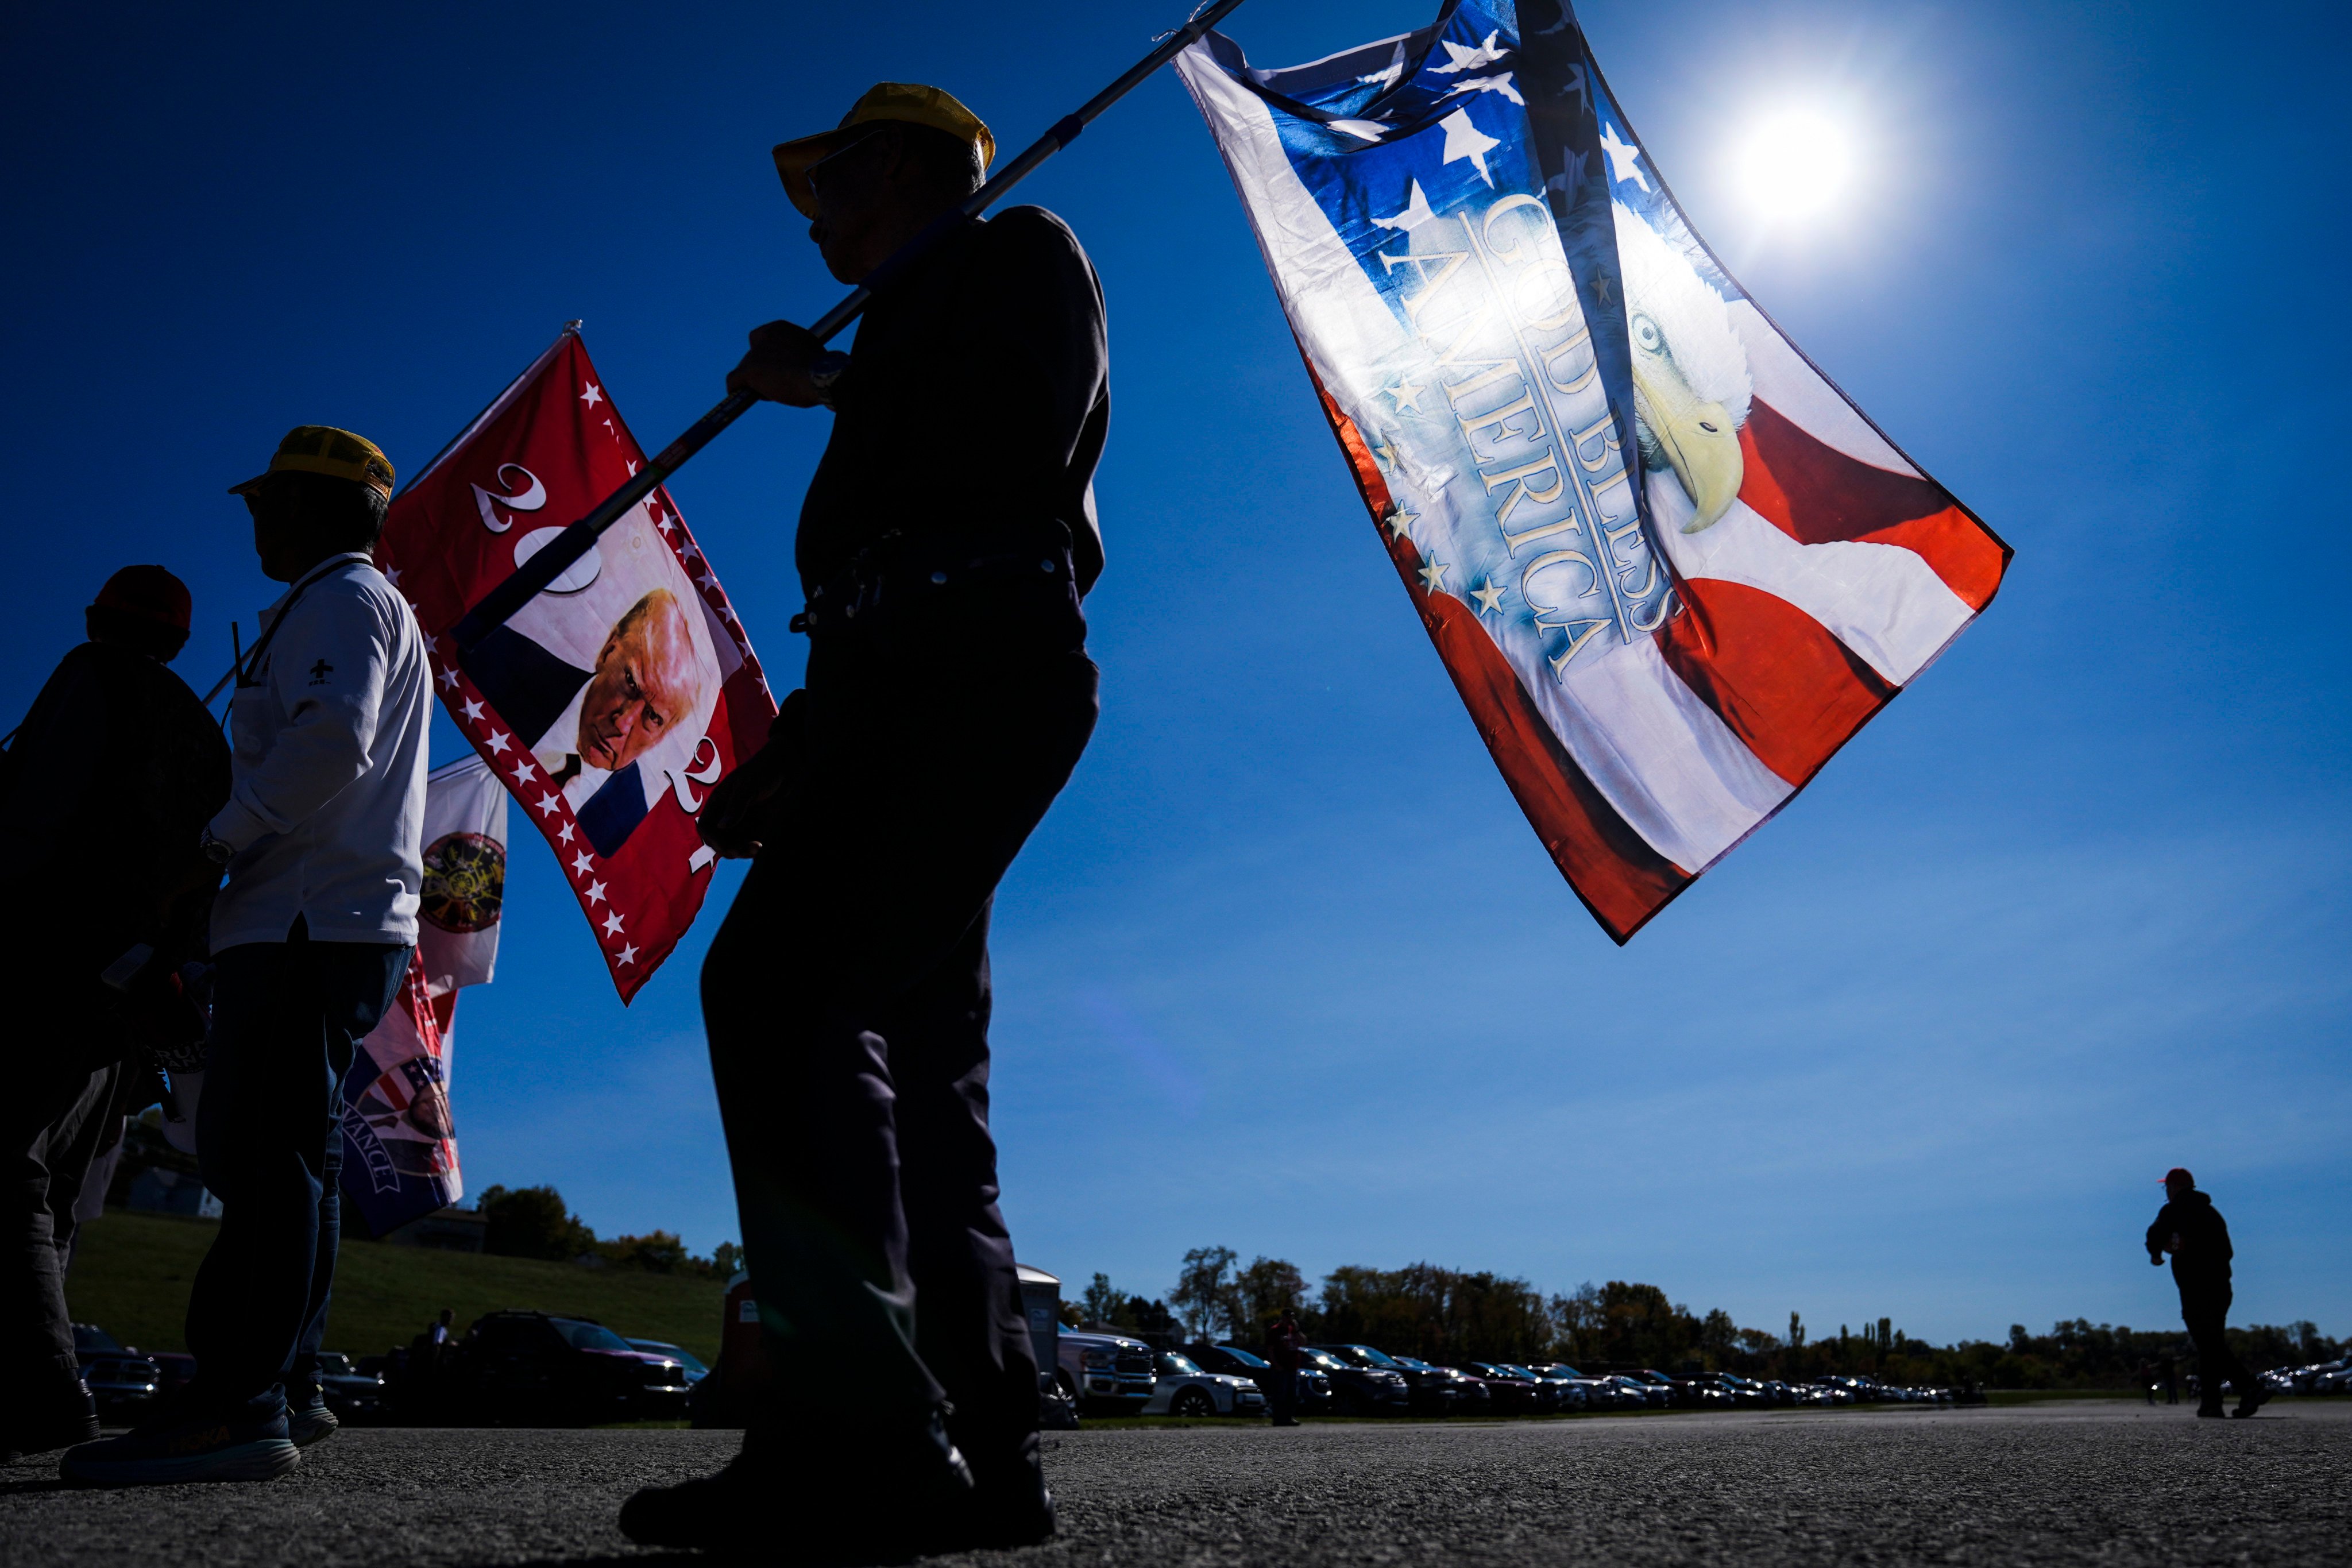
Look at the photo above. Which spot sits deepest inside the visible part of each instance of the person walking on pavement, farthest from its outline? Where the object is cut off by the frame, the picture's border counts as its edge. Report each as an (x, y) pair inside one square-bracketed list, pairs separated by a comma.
[(847, 996), (2190, 1228), (321, 839), (110, 777), (1284, 1340)]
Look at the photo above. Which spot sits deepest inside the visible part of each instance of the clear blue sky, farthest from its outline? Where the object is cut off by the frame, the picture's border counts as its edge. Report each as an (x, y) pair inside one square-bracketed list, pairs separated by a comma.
[(1285, 968)]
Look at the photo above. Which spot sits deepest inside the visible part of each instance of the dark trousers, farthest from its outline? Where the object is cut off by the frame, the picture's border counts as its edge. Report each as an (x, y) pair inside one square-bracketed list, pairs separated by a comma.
[(846, 999), (54, 1117), (1282, 1393), (2207, 1314), (286, 1018)]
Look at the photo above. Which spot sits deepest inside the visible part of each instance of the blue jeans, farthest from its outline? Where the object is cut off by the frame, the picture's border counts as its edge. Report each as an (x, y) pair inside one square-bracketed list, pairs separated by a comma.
[(286, 1019)]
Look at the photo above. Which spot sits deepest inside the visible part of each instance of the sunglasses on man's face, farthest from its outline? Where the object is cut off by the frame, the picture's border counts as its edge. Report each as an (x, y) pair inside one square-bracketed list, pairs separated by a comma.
[(836, 161)]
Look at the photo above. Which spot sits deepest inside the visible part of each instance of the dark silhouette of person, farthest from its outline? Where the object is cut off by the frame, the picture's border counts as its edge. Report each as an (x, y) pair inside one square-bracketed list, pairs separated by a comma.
[(111, 775), (846, 997), (2190, 1228), (1284, 1340)]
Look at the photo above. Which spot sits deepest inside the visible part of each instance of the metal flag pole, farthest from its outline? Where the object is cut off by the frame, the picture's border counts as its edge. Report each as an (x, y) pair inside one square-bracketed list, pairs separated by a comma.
[(534, 574)]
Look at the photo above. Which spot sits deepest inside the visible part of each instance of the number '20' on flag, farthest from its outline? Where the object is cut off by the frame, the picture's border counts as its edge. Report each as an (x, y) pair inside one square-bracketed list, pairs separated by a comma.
[(611, 704), (1670, 566)]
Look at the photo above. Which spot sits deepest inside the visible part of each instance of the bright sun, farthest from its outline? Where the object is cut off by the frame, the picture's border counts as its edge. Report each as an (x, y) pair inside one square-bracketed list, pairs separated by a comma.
[(1797, 162)]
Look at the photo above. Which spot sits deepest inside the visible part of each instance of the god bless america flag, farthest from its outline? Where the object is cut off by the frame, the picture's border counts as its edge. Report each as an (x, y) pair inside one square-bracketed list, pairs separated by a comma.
[(1670, 566), (610, 705)]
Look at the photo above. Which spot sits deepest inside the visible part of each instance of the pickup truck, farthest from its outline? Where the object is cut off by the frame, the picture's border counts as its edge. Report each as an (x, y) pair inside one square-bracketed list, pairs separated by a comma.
[(1107, 1373)]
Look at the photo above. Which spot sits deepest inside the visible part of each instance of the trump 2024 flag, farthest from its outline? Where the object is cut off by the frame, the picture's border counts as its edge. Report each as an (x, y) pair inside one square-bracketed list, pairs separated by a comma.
[(1670, 567), (610, 705)]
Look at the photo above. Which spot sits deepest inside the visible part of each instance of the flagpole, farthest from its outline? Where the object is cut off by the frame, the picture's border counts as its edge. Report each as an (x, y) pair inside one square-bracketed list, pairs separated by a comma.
[(548, 564)]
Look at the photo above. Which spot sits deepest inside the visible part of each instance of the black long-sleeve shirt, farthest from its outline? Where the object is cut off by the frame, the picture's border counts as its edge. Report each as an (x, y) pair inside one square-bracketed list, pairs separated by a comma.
[(976, 403), (2193, 1231)]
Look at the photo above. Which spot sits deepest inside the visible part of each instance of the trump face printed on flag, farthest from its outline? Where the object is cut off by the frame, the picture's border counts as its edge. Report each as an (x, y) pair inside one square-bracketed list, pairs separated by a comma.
[(592, 730)]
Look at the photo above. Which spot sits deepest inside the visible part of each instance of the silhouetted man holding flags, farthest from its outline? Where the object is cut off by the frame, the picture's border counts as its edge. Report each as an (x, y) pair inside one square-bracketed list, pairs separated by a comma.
[(2190, 1228), (944, 545)]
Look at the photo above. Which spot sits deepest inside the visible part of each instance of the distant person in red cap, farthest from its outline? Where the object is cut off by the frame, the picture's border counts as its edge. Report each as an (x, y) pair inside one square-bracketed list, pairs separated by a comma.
[(108, 782), (2190, 1228)]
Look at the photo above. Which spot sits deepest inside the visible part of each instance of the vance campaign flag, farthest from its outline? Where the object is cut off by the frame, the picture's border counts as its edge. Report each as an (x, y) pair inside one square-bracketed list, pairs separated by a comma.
[(400, 1133), (610, 705), (1670, 567)]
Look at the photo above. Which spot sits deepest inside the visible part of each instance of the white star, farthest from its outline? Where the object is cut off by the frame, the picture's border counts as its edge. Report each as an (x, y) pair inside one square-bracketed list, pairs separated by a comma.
[(1405, 394), (633, 468), (628, 954), (582, 862), (1387, 78), (1363, 130), (473, 712), (1489, 598), (593, 395), (392, 575), (1385, 452), (706, 579), (497, 743), (1624, 158), (595, 893), (564, 836), (1501, 84), (1464, 140), (1432, 576), (1416, 210), (613, 923), (448, 679), (524, 772), (1399, 519), (547, 805), (1462, 59)]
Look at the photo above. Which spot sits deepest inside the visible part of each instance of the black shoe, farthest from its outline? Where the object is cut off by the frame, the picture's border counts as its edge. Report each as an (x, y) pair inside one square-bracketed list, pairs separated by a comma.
[(1009, 1506), (2256, 1397), (2211, 1410), (844, 1499), (311, 1421), (68, 1416), (191, 1449)]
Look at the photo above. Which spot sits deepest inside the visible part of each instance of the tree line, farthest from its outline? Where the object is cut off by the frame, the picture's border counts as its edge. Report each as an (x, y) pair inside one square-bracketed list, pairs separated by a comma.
[(1450, 1315), (535, 1221)]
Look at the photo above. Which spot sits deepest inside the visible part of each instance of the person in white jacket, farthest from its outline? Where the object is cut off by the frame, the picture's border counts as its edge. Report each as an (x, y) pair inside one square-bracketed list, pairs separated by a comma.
[(322, 842)]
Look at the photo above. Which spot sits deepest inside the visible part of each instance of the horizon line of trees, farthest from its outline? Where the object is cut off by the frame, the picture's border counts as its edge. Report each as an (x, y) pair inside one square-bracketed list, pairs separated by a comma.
[(1449, 1315), (535, 1221)]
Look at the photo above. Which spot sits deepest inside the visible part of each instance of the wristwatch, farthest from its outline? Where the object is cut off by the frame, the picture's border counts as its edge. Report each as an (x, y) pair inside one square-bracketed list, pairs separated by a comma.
[(219, 851), (829, 368)]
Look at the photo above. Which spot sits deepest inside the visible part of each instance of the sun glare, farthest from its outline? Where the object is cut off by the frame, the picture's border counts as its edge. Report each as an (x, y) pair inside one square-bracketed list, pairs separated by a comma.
[(1797, 163)]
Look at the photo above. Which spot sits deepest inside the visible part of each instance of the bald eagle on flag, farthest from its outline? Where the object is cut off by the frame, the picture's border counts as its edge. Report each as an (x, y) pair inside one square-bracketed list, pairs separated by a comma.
[(1670, 567)]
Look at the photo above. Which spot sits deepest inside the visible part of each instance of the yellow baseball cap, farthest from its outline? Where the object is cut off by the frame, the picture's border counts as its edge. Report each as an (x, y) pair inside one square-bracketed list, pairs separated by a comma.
[(323, 449), (908, 103)]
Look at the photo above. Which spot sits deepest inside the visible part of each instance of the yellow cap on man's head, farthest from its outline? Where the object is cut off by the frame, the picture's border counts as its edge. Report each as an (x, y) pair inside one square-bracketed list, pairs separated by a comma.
[(908, 103), (323, 449)]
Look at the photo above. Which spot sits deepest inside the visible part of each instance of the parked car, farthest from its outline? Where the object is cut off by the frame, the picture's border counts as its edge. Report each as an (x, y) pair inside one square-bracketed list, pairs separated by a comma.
[(1640, 1393), (1426, 1395), (1471, 1396), (1575, 1388), (694, 1371), (354, 1396), (124, 1387), (1514, 1390), (1360, 1390), (1108, 1372), (516, 1368), (1182, 1388), (1314, 1383)]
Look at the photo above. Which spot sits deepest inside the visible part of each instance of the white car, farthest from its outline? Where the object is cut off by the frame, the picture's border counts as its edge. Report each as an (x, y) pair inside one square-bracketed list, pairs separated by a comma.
[(1183, 1389)]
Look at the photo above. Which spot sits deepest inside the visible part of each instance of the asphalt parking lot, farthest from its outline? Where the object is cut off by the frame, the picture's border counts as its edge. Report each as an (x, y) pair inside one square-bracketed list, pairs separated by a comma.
[(2105, 1482)]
